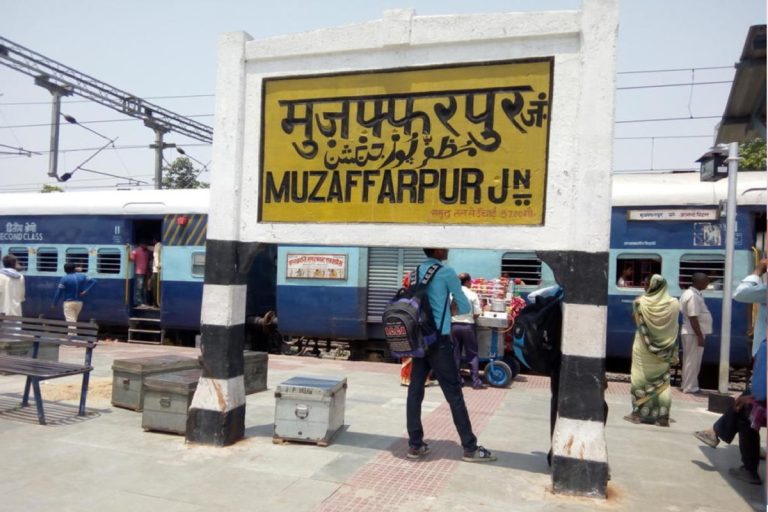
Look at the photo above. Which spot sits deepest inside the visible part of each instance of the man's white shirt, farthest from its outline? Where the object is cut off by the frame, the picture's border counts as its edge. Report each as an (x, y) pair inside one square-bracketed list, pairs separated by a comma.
[(474, 300)]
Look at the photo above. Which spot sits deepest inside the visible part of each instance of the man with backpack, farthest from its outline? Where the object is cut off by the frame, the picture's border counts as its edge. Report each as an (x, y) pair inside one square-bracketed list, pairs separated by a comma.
[(438, 357)]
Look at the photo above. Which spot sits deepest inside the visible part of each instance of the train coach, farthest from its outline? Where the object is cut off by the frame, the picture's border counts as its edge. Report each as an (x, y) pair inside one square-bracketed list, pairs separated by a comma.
[(669, 223), (96, 231)]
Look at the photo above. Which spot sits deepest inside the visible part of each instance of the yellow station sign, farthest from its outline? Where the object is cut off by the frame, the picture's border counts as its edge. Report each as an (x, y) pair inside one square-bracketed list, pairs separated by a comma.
[(462, 144)]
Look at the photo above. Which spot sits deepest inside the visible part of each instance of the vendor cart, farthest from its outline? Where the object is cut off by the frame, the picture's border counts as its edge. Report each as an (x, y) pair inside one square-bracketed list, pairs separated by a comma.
[(499, 309)]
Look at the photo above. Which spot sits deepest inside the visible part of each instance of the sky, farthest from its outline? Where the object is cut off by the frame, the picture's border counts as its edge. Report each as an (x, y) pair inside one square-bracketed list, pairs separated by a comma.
[(165, 52)]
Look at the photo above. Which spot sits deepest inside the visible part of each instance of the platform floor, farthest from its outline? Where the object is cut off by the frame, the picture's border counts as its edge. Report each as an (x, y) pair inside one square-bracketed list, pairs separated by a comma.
[(106, 462)]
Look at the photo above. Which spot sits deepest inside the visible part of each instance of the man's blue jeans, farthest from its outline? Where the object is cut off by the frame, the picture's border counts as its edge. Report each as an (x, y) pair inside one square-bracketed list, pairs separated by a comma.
[(138, 289), (439, 358)]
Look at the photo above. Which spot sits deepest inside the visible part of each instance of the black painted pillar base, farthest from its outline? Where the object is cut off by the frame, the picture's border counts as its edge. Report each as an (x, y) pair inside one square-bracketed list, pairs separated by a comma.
[(579, 477), (216, 428)]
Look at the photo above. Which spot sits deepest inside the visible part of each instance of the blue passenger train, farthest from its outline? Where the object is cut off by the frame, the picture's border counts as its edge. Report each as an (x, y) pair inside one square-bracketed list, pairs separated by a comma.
[(667, 223), (95, 230)]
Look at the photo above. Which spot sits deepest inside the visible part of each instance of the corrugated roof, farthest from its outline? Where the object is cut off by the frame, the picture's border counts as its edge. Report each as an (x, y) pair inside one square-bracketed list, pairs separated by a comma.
[(744, 116)]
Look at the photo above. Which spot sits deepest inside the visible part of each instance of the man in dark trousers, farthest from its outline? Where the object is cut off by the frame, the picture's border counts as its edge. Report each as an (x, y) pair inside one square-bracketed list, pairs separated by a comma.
[(439, 358), (464, 334), (745, 418)]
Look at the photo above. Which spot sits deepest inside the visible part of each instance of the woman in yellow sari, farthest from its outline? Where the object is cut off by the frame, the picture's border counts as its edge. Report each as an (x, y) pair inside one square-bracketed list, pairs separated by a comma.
[(654, 350)]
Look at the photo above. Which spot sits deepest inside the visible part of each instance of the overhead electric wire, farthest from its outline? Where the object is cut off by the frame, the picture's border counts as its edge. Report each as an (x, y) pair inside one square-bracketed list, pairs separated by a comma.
[(69, 102), (122, 120), (664, 119), (19, 150), (138, 182), (211, 95), (143, 146), (689, 84), (671, 70), (67, 187), (79, 180), (665, 137)]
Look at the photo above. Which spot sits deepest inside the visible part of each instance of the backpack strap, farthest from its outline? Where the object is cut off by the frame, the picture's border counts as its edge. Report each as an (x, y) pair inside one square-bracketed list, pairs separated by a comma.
[(431, 271), (445, 310)]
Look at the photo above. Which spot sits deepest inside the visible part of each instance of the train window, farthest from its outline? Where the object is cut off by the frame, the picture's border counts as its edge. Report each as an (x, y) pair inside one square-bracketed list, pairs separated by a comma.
[(526, 267), (78, 256), (711, 264), (47, 259), (22, 256), (108, 261), (634, 270), (198, 263)]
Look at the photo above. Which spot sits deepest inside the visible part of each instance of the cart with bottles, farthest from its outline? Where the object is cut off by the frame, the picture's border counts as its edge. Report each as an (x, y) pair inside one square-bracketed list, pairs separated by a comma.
[(501, 303)]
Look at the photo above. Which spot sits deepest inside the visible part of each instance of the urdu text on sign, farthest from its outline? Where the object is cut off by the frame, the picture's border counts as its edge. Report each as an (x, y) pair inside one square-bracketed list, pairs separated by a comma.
[(460, 144)]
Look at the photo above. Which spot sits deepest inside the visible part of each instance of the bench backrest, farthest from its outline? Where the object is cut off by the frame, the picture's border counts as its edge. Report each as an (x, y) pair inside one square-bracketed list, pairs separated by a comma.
[(44, 330)]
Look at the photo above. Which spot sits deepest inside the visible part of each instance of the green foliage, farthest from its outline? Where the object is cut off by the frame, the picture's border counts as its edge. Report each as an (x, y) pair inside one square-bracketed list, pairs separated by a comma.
[(752, 155), (47, 189), (182, 174)]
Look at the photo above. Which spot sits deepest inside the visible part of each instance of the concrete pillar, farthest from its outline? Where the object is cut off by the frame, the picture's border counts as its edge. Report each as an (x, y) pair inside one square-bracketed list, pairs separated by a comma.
[(580, 460), (217, 413)]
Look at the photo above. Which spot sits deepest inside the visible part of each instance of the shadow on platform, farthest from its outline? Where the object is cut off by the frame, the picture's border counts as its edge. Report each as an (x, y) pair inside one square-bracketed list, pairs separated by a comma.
[(534, 462), (57, 414)]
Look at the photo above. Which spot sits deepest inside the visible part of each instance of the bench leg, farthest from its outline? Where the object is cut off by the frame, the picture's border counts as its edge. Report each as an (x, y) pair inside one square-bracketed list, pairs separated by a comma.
[(25, 398), (38, 401), (84, 393)]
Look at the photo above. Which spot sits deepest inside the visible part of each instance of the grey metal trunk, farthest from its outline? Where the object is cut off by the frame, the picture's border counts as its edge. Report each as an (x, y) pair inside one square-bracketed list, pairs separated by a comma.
[(129, 374), (167, 398), (309, 409), (255, 371)]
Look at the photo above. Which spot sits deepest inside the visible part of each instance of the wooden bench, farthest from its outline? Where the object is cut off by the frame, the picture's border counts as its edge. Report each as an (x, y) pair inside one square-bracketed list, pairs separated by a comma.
[(37, 331)]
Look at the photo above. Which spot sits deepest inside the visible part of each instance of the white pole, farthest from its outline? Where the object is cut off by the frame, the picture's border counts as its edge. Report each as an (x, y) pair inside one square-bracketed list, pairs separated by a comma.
[(730, 235)]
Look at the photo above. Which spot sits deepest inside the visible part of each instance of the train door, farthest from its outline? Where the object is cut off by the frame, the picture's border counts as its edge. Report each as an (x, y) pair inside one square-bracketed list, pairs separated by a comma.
[(148, 232), (143, 291)]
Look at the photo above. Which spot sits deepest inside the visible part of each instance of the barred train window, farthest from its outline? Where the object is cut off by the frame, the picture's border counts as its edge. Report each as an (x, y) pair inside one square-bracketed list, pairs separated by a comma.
[(47, 259), (78, 256), (634, 270), (711, 264), (22, 256), (525, 266), (108, 261), (198, 263)]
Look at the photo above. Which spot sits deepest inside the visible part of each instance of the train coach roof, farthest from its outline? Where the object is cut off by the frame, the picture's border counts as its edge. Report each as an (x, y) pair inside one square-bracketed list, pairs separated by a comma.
[(109, 202), (679, 189)]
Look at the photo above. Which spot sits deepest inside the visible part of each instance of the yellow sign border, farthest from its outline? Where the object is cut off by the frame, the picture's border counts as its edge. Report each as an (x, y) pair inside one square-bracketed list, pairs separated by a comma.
[(394, 71)]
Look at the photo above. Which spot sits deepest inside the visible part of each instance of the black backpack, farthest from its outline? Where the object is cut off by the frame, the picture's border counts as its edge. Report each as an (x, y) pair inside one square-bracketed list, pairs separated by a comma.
[(409, 326), (536, 334)]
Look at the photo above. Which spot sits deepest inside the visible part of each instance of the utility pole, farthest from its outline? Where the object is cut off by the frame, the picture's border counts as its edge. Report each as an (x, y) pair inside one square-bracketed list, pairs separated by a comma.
[(62, 80), (56, 92), (730, 237), (158, 146)]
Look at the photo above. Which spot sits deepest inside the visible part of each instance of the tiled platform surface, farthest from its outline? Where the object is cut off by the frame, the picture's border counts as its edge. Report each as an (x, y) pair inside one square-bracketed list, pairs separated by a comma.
[(106, 462)]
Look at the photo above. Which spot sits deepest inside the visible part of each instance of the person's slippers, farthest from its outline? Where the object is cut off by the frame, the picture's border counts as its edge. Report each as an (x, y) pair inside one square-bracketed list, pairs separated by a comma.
[(707, 438)]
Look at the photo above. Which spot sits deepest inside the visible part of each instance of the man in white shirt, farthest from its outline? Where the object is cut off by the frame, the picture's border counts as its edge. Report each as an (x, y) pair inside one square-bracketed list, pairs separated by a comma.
[(697, 323), (12, 292), (752, 289), (464, 335)]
